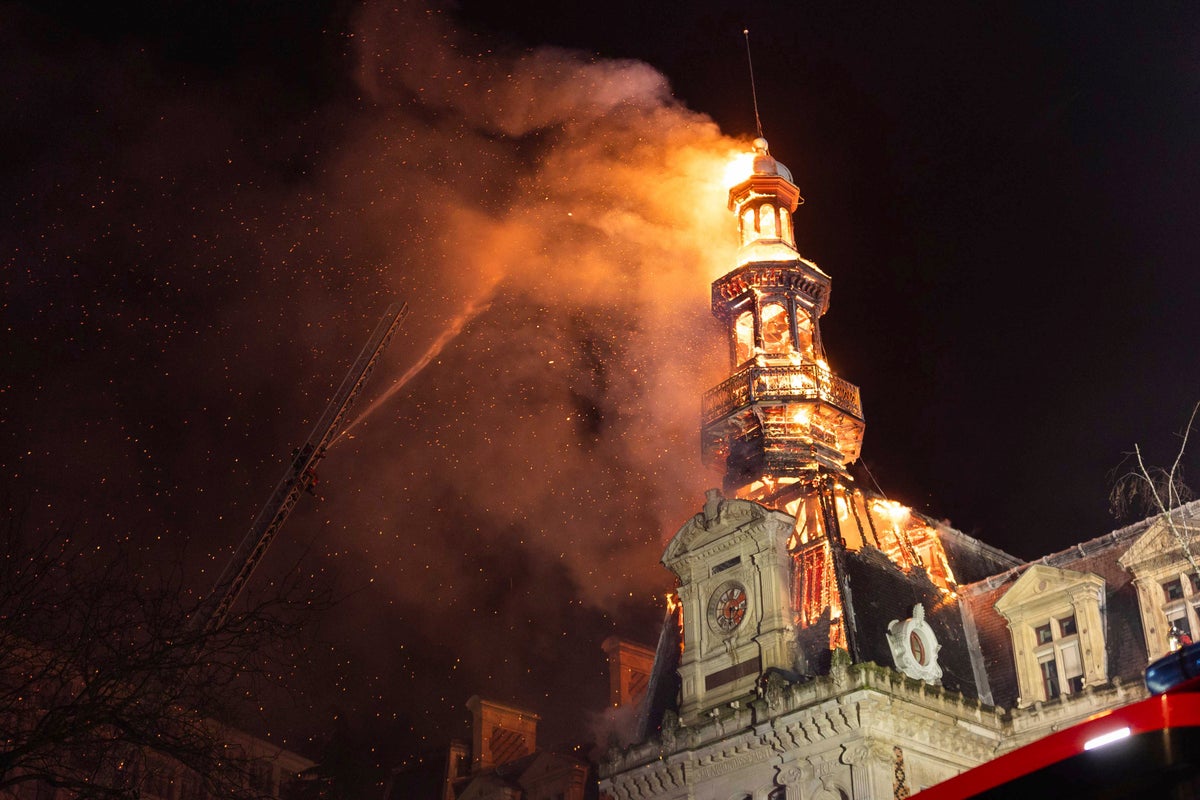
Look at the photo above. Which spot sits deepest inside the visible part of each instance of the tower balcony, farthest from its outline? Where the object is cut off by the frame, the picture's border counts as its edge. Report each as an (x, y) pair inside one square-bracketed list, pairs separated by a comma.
[(773, 384)]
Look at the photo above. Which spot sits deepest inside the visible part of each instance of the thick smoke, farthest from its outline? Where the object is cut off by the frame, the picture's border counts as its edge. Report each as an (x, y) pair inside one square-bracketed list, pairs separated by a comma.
[(200, 270)]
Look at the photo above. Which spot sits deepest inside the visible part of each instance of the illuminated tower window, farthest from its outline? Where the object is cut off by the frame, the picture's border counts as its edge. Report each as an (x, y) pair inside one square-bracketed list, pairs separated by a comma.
[(776, 333), (744, 337), (804, 336), (766, 222)]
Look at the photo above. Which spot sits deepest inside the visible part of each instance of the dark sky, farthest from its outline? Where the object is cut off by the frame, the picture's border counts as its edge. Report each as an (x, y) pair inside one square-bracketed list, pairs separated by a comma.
[(207, 206)]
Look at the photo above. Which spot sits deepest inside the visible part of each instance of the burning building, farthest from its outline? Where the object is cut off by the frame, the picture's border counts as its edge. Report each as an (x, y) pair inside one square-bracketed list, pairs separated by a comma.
[(827, 642)]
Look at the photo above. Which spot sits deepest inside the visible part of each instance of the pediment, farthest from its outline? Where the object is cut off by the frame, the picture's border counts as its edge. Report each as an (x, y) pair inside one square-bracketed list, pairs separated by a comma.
[(720, 520), (1159, 542), (1044, 583)]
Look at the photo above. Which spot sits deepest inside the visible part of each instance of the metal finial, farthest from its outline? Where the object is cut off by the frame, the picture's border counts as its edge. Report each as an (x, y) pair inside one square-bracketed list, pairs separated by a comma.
[(753, 90)]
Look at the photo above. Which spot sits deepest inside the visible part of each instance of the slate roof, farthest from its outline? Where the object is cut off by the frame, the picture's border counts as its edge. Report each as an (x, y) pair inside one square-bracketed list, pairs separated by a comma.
[(1124, 637), (880, 592), (662, 690)]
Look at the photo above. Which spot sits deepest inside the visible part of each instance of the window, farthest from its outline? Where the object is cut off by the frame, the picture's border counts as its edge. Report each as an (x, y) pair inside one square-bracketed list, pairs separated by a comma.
[(1058, 657), (785, 226), (1049, 669), (1173, 589), (766, 221), (804, 334), (724, 565), (1180, 600), (1180, 623), (743, 332), (776, 329)]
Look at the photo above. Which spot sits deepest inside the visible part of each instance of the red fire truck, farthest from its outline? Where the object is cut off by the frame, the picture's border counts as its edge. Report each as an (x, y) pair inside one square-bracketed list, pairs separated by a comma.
[(1149, 749)]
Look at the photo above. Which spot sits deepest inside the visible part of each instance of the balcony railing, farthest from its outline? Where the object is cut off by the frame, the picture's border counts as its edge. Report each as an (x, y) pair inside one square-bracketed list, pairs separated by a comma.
[(779, 383)]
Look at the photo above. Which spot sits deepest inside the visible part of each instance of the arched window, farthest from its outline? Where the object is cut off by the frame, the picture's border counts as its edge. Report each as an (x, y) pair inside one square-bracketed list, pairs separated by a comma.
[(785, 226), (776, 331), (743, 331), (766, 221), (748, 229)]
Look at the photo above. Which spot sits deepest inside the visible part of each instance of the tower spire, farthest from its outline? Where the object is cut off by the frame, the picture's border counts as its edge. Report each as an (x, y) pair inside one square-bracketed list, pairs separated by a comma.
[(782, 422), (753, 89)]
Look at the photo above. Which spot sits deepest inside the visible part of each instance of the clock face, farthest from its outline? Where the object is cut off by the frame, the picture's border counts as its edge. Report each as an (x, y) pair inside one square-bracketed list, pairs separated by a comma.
[(730, 607)]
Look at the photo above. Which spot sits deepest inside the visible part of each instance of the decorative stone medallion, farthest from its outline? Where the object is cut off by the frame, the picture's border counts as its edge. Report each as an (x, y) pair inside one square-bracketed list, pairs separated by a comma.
[(914, 647)]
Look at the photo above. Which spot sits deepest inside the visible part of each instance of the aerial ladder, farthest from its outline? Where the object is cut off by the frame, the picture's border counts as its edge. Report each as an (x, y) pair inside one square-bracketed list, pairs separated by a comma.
[(298, 477)]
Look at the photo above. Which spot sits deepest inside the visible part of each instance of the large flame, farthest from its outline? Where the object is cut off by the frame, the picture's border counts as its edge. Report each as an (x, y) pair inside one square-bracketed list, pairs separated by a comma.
[(739, 168)]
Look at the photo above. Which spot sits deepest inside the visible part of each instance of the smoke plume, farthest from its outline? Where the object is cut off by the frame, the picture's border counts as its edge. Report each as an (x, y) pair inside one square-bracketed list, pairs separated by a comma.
[(197, 259)]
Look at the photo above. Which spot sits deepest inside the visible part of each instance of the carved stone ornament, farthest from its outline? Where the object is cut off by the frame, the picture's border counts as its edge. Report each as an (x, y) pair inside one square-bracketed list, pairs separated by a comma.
[(914, 647), (670, 729)]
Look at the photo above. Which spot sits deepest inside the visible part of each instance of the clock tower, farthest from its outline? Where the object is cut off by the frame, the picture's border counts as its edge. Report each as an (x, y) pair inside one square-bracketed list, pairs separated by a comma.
[(755, 568), (733, 568)]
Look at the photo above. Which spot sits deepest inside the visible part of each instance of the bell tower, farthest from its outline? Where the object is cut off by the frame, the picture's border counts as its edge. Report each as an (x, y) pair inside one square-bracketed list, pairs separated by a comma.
[(782, 422), (760, 574)]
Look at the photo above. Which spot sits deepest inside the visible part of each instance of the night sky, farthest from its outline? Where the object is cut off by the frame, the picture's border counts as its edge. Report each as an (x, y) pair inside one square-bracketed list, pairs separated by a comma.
[(207, 206)]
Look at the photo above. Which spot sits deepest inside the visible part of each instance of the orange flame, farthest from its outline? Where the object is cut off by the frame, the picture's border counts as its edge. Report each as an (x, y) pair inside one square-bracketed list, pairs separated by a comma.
[(675, 608), (739, 168)]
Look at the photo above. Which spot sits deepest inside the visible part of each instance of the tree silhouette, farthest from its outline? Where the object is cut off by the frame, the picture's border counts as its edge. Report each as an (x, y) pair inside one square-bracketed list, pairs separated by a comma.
[(106, 691)]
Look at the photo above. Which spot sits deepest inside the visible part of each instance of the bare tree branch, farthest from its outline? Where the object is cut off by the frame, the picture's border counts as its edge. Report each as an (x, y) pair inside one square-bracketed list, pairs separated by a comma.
[(1157, 492), (102, 681)]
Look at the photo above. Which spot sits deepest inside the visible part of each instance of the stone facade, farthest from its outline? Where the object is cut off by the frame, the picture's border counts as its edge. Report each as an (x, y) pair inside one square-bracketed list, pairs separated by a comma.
[(860, 731)]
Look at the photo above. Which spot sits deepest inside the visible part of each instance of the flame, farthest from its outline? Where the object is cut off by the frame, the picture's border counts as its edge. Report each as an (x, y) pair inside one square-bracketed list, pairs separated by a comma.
[(675, 608), (895, 512), (739, 168), (843, 509), (911, 542), (673, 603)]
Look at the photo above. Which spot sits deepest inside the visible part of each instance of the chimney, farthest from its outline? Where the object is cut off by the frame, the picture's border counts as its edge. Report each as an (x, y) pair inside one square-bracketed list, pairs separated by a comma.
[(500, 733), (457, 766), (629, 668)]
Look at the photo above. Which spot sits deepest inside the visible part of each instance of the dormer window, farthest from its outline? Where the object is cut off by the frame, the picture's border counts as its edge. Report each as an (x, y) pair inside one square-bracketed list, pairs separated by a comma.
[(1057, 627)]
